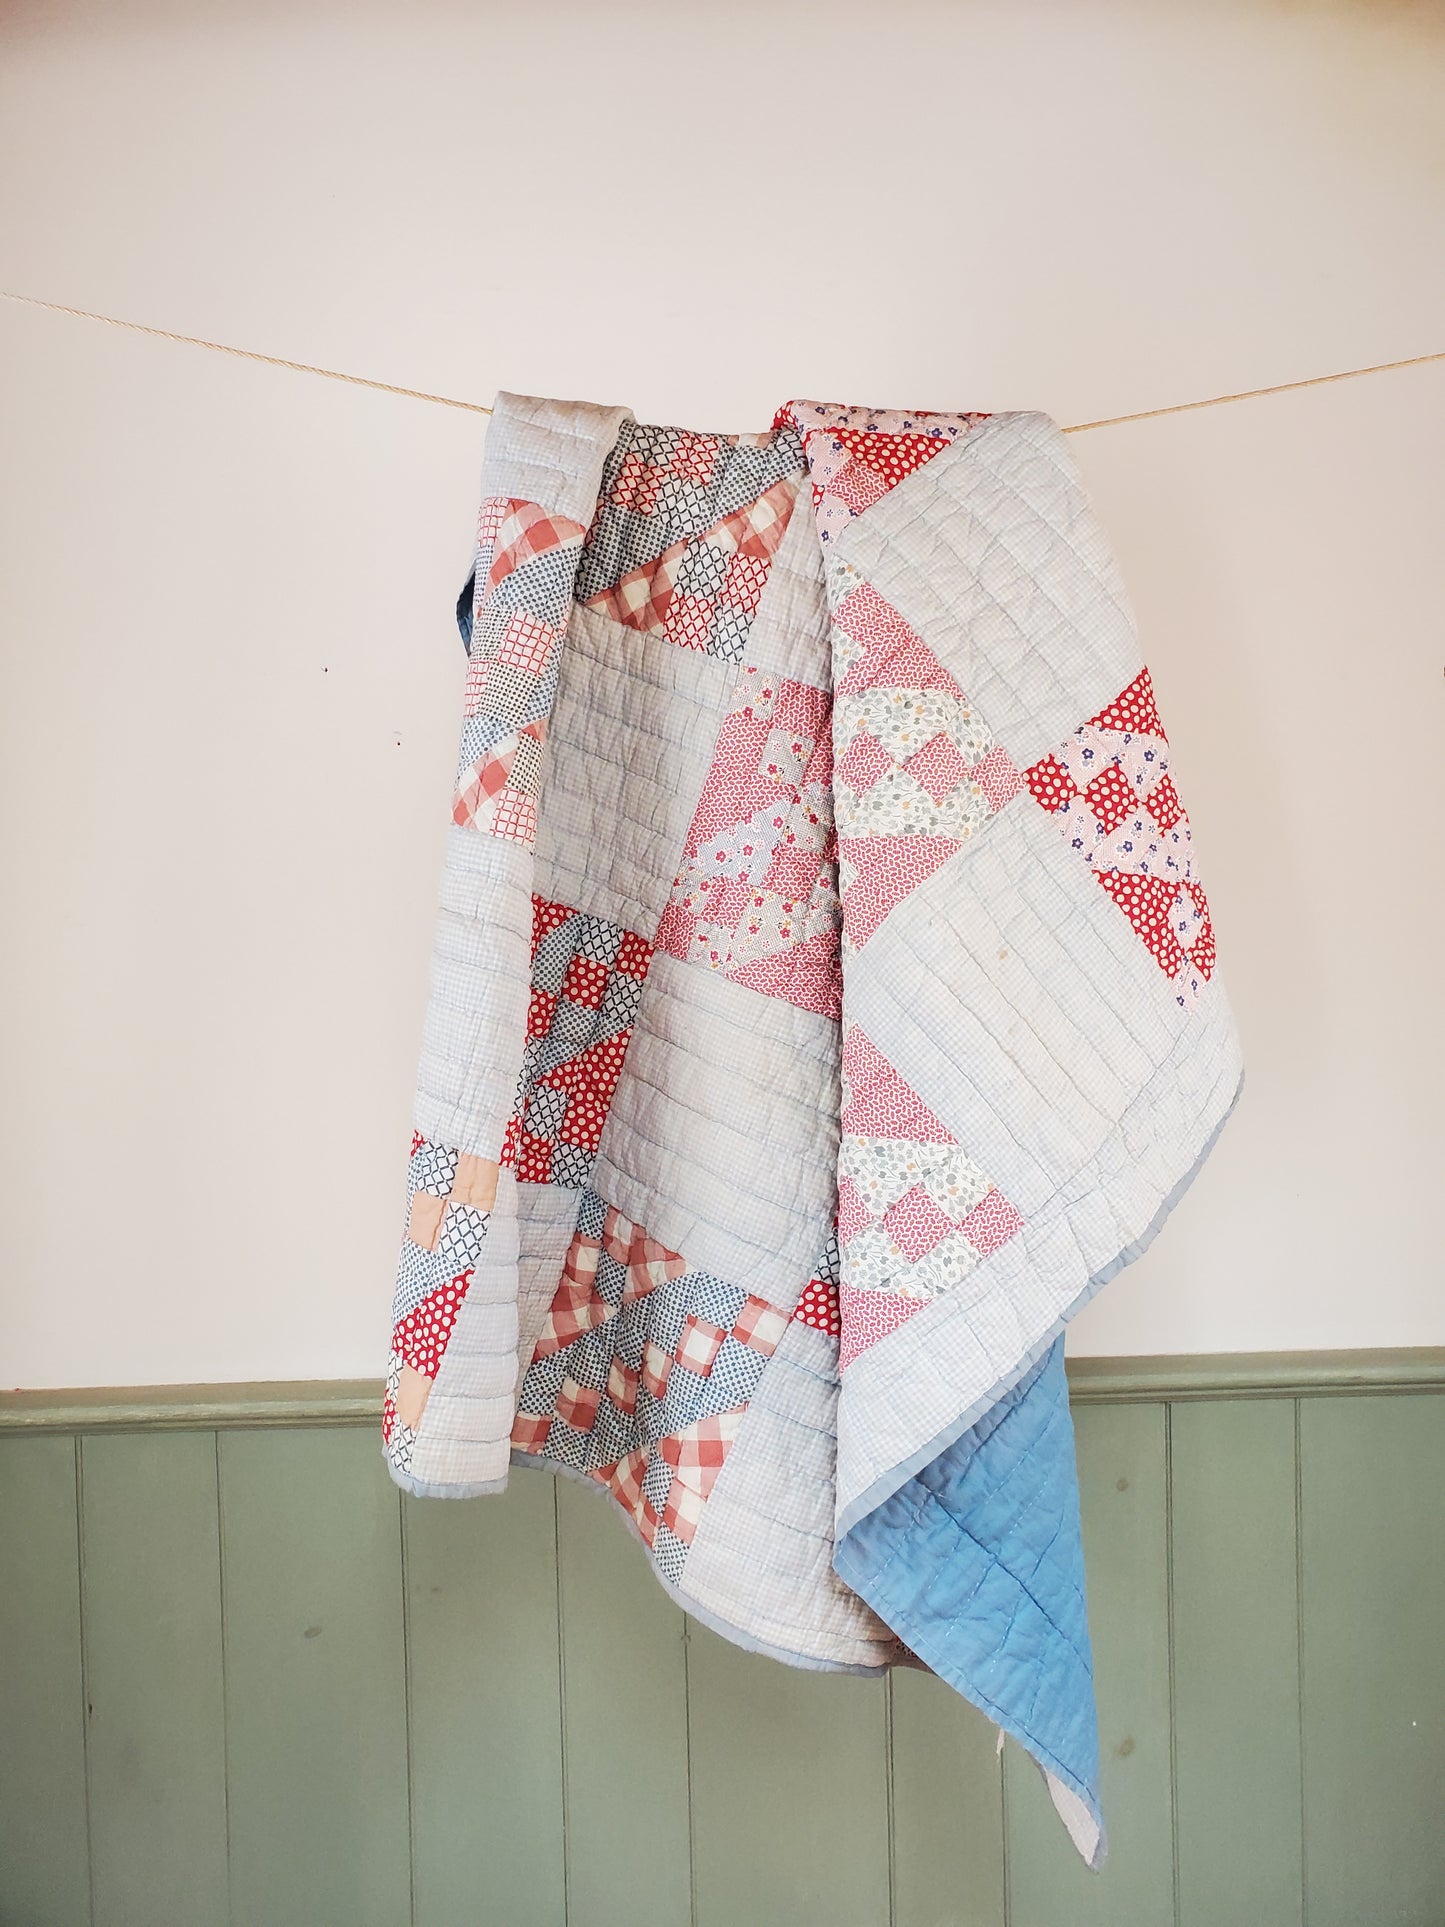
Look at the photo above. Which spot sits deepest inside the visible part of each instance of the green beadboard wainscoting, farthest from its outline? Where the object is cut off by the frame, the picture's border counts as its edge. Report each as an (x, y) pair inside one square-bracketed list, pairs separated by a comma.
[(242, 1680)]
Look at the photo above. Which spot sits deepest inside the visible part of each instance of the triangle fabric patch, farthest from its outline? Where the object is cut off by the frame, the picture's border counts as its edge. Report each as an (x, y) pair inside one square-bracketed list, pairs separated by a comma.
[(806, 974), (868, 1316), (892, 655), (880, 1103), (885, 870)]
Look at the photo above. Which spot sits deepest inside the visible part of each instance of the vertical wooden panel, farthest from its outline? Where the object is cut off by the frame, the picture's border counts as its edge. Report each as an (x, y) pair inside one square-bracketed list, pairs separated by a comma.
[(1122, 1475), (624, 1725), (1236, 1663), (315, 1681), (789, 1791), (948, 1847), (153, 1658), (1372, 1506), (486, 1711), (45, 1881)]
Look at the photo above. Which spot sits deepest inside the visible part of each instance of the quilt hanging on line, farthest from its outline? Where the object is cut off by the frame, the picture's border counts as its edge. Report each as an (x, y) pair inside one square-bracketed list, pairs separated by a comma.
[(823, 1006)]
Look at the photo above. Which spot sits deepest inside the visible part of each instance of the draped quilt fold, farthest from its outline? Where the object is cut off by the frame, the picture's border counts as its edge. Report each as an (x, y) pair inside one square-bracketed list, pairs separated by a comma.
[(823, 1006)]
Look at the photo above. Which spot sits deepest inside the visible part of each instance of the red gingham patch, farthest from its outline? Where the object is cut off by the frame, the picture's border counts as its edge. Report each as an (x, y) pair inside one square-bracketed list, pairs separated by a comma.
[(577, 1305), (760, 1325), (656, 1370), (625, 1479), (526, 531), (622, 1387), (577, 1405), (648, 1263), (696, 1453), (698, 1345), (682, 1512), (529, 1432)]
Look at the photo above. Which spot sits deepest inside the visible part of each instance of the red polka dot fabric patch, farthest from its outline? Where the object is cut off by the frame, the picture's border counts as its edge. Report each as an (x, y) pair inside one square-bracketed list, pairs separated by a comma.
[(1116, 804)]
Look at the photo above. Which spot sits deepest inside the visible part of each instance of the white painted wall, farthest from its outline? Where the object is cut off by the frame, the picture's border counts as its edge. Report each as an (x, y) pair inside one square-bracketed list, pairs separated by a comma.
[(231, 677)]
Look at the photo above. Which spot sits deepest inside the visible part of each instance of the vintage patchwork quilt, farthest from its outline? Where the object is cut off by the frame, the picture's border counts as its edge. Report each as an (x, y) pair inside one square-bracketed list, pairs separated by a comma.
[(823, 1006)]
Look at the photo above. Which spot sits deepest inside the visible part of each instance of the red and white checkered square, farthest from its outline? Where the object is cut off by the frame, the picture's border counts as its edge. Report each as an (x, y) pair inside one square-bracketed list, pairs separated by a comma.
[(625, 1479), (696, 1453), (577, 1306), (682, 1512), (577, 1405), (760, 1325), (699, 1345), (648, 1263), (622, 1387), (525, 531), (656, 1370), (529, 1432)]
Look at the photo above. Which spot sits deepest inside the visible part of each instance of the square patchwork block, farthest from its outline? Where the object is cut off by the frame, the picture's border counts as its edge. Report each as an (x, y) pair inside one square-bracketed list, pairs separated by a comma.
[(577, 1404), (656, 1369), (760, 1326), (622, 1387), (698, 1345)]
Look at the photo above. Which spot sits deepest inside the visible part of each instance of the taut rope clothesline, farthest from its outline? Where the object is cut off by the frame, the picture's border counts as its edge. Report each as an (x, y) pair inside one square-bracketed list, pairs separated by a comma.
[(479, 408)]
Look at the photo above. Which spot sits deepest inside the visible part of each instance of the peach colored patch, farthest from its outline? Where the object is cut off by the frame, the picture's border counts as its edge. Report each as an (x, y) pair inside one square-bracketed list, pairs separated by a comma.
[(475, 1182), (411, 1396), (424, 1223)]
